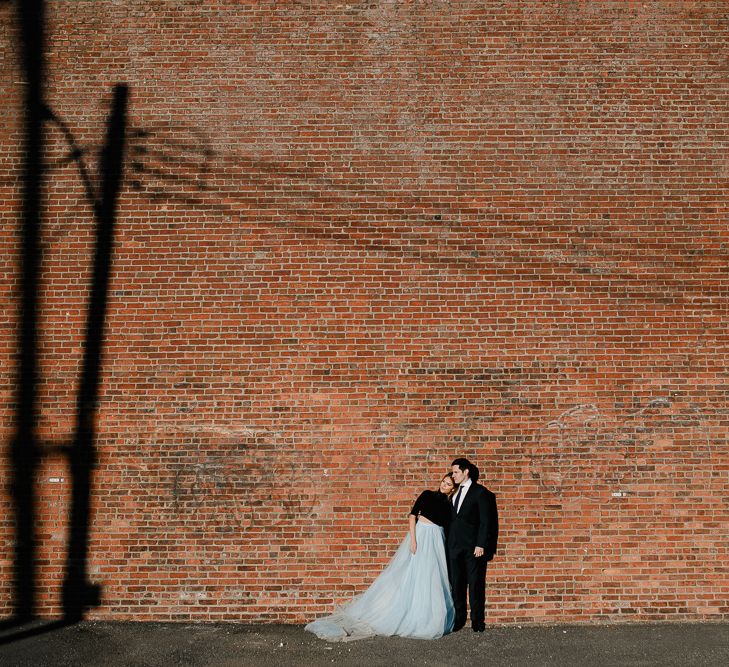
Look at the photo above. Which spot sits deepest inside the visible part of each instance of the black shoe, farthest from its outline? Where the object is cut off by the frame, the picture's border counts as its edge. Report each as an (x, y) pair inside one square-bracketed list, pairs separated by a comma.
[(479, 628), (458, 626)]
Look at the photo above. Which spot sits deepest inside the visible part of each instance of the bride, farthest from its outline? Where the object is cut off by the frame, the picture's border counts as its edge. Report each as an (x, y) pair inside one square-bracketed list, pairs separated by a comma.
[(411, 597)]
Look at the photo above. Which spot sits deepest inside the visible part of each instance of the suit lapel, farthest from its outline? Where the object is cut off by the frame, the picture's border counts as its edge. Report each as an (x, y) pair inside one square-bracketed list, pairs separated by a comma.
[(466, 500)]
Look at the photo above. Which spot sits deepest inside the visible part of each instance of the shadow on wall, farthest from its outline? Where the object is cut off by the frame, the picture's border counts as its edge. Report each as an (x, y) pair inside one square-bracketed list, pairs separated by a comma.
[(178, 165), (26, 451)]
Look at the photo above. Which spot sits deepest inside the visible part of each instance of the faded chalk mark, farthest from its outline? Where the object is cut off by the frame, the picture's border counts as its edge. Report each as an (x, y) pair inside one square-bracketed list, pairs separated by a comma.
[(589, 454)]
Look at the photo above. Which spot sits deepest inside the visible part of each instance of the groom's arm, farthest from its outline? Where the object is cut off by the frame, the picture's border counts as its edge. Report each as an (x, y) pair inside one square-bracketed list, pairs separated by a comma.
[(492, 525), (488, 524), (483, 520)]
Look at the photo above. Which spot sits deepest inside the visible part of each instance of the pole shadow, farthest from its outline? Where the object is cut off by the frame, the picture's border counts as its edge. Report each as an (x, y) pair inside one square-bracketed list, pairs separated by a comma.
[(26, 451), (78, 593), (24, 446)]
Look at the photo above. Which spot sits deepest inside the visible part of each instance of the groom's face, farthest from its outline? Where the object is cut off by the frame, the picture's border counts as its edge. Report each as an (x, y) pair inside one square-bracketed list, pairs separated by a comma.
[(459, 476)]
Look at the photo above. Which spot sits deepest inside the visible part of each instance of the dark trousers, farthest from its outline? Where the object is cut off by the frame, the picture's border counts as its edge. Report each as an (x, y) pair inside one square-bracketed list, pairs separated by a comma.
[(468, 574)]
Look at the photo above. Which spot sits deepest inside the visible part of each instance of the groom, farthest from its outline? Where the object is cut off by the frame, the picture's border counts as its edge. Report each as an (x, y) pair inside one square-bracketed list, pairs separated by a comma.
[(472, 537)]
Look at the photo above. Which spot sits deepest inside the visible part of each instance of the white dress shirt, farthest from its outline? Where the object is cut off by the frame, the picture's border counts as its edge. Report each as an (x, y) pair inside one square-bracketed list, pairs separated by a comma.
[(464, 490)]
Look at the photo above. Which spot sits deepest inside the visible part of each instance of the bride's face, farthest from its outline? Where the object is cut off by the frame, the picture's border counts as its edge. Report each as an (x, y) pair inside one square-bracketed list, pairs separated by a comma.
[(447, 486)]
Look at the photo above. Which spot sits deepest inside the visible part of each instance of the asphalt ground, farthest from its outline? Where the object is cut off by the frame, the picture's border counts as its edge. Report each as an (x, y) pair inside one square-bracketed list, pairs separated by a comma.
[(117, 644)]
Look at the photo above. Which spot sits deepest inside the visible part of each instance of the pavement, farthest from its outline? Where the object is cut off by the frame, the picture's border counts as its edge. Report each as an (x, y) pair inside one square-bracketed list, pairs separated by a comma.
[(117, 644)]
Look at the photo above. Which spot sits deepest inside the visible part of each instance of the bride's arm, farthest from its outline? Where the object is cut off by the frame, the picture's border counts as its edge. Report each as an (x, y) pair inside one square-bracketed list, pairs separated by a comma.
[(413, 544)]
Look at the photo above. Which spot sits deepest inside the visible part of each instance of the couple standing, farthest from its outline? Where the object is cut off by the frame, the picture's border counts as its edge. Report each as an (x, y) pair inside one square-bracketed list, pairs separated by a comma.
[(440, 564)]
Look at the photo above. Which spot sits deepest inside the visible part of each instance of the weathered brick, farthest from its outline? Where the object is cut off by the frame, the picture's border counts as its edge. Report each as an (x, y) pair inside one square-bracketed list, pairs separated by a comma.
[(356, 240)]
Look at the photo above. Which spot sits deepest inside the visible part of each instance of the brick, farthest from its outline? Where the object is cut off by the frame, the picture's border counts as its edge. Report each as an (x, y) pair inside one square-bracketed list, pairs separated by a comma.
[(355, 241)]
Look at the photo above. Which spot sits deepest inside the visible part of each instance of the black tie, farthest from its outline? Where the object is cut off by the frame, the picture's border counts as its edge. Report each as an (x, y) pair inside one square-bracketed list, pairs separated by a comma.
[(458, 497)]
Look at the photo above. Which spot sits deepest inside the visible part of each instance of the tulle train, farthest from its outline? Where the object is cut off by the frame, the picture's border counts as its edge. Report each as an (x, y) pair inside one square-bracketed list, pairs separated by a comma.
[(411, 597)]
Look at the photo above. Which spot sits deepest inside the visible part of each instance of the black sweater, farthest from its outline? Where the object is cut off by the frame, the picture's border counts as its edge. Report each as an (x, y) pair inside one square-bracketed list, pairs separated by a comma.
[(434, 506)]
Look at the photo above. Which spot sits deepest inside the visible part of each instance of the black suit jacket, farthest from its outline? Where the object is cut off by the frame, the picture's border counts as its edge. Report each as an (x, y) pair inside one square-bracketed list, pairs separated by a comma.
[(477, 524)]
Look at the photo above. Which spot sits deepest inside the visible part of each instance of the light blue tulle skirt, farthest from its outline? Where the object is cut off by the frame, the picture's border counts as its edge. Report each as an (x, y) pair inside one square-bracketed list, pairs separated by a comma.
[(410, 598)]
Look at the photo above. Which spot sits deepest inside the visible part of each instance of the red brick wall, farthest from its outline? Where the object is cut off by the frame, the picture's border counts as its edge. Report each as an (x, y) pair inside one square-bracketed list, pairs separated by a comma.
[(356, 240)]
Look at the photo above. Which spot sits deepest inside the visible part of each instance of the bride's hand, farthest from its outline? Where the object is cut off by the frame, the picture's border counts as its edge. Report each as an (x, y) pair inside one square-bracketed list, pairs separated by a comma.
[(413, 547)]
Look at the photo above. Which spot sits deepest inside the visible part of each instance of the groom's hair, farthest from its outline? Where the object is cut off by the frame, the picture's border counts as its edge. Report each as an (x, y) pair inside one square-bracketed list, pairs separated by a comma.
[(465, 464)]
